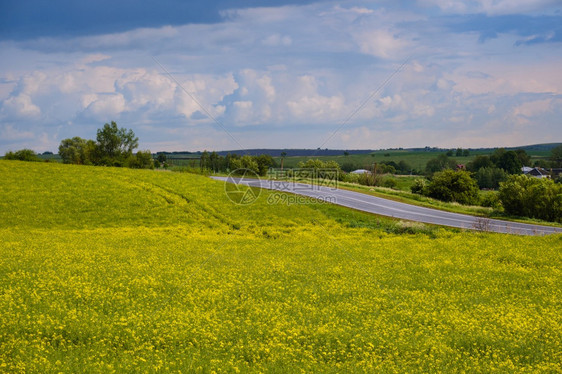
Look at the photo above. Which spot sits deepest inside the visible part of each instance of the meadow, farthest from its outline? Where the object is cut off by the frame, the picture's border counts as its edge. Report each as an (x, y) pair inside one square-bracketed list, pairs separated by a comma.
[(119, 270)]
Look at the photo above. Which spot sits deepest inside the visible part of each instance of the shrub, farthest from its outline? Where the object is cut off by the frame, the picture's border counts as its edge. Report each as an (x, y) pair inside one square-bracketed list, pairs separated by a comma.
[(491, 199), (419, 186), (389, 183), (490, 177), (142, 160), (532, 197), (22, 155), (456, 186)]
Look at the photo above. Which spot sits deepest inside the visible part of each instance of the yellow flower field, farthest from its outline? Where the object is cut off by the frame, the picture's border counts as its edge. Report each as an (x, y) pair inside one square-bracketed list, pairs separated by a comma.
[(117, 270)]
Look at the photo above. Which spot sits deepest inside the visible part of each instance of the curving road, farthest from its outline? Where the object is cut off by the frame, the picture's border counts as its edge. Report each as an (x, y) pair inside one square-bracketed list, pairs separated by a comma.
[(385, 207)]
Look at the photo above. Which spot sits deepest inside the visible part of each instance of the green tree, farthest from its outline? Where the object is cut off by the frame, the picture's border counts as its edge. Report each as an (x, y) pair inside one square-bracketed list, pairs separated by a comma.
[(532, 197), (419, 186), (404, 167), (162, 157), (510, 162), (556, 156), (115, 145), (490, 177), (439, 163), (77, 151), (523, 157), (456, 186), (142, 160), (283, 155), (264, 163), (245, 162), (479, 162), (214, 160), (22, 155), (205, 161)]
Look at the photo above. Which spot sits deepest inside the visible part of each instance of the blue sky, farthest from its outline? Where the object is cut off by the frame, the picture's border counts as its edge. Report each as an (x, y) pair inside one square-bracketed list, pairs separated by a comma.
[(282, 74)]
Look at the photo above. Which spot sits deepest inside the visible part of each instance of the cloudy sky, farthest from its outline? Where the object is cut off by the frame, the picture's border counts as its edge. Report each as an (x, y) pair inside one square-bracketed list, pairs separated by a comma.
[(220, 74)]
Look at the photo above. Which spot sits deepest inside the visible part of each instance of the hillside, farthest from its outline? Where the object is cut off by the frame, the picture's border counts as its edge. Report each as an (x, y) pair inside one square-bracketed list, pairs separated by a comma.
[(108, 269)]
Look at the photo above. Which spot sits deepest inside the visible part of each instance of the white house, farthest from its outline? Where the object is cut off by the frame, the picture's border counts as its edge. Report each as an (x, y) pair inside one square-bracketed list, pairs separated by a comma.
[(535, 172)]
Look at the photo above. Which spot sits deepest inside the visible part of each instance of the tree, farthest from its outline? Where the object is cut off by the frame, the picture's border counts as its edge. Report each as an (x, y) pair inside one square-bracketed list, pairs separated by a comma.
[(510, 162), (283, 155), (532, 197), (523, 157), (245, 162), (205, 162), (214, 161), (490, 177), (440, 163), (556, 156), (22, 155), (162, 157), (479, 162), (456, 186), (419, 186), (264, 163), (115, 145), (142, 160), (77, 151), (404, 167)]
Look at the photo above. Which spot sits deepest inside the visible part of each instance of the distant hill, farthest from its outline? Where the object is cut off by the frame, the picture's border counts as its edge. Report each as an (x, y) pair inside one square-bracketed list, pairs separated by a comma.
[(276, 152)]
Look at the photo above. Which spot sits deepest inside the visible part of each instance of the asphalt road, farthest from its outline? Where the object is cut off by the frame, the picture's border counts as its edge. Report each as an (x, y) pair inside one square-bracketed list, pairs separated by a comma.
[(385, 207)]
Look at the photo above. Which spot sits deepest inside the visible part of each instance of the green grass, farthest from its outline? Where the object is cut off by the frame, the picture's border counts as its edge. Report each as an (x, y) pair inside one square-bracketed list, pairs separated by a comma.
[(119, 270)]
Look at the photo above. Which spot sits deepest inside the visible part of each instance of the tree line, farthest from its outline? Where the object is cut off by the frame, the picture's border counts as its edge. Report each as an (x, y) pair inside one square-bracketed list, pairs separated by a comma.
[(113, 146), (216, 163)]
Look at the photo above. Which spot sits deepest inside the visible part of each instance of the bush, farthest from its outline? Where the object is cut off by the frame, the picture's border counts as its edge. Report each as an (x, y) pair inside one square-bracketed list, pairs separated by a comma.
[(490, 177), (245, 162), (142, 160), (453, 186), (389, 183), (419, 186), (532, 197), (491, 199), (22, 155)]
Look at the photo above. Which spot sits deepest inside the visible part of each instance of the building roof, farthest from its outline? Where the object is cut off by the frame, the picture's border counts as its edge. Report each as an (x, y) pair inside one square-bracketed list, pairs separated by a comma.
[(360, 171), (538, 172)]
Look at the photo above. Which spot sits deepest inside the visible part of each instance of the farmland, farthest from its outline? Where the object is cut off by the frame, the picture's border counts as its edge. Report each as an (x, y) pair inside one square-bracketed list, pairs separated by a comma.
[(110, 269)]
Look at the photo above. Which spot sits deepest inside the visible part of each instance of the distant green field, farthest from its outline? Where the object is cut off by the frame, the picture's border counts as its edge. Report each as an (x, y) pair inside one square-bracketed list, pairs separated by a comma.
[(119, 270), (416, 159)]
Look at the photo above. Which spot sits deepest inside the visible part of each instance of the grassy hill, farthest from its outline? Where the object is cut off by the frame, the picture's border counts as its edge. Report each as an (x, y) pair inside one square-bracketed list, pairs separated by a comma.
[(106, 269)]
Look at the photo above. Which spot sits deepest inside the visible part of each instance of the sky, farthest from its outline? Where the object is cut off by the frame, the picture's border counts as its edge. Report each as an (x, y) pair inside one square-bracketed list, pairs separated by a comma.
[(228, 75)]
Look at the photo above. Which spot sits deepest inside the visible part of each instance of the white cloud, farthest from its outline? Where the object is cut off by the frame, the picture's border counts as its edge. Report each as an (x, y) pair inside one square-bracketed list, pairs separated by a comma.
[(106, 106), (381, 43), (276, 40), (533, 108), (9, 133), (20, 106), (490, 7)]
